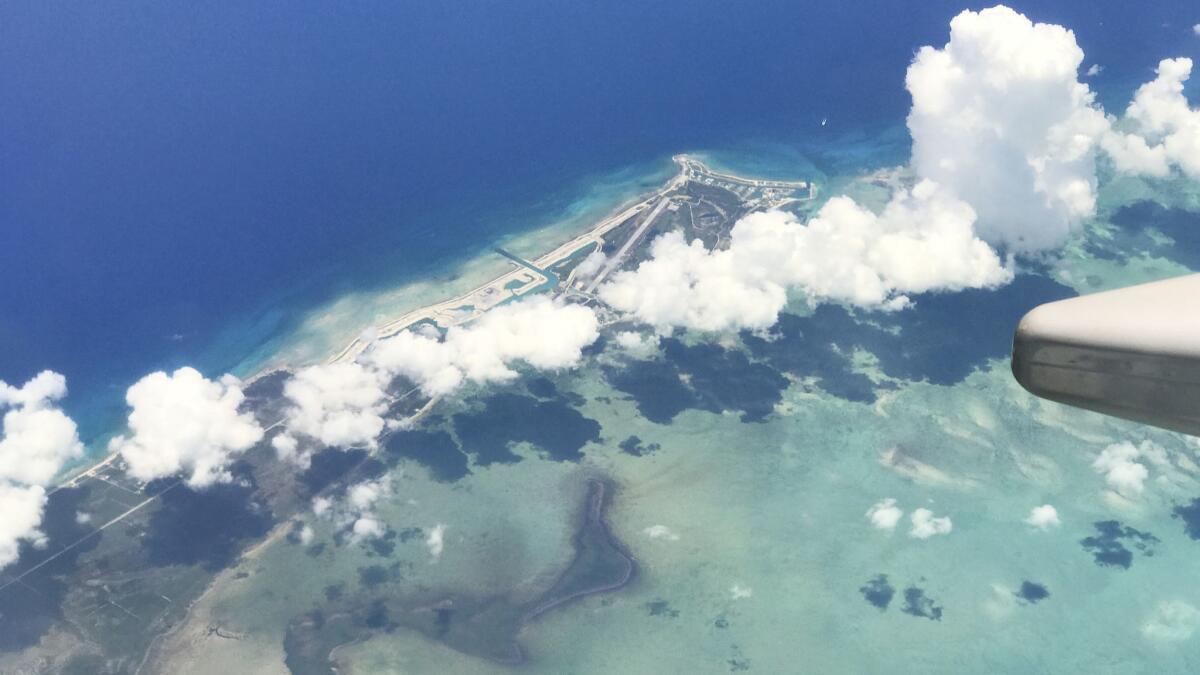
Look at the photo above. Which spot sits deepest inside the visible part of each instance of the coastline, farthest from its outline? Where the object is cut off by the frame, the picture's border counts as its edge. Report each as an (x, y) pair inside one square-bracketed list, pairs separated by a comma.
[(272, 364), (515, 282)]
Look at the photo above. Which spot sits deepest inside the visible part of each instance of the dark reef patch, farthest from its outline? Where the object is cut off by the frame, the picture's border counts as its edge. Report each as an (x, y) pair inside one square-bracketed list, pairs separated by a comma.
[(264, 397), (878, 591), (485, 627), (818, 346), (294, 534), (374, 575), (554, 427), (660, 607), (30, 607), (542, 388), (917, 603), (1031, 593), (206, 527), (329, 466), (435, 450), (1108, 545), (913, 344), (596, 348), (411, 533), (656, 388), (633, 446), (726, 379), (377, 616), (269, 387), (1190, 515), (1181, 225), (601, 563), (383, 546), (703, 377)]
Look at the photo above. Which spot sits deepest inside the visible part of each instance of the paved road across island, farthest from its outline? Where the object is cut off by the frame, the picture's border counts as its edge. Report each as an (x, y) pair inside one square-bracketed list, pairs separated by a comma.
[(615, 262)]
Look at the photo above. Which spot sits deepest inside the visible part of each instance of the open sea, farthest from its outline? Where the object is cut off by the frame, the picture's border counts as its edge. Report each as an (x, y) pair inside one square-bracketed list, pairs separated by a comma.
[(186, 182)]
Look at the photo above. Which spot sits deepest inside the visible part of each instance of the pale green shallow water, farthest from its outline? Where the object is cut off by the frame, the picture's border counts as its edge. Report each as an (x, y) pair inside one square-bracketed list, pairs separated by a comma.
[(777, 509)]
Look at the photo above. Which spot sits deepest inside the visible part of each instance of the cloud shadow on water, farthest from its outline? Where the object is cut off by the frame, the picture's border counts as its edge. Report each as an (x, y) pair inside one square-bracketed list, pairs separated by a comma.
[(1108, 548), (554, 427)]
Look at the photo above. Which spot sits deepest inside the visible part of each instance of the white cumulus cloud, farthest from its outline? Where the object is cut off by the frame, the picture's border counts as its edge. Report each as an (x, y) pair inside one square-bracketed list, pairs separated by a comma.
[(335, 405), (926, 525), (22, 506), (740, 592), (38, 437), (660, 532), (1000, 119), (1165, 129), (922, 241), (590, 266), (636, 344), (185, 423), (354, 515), (436, 541), (1119, 465), (1004, 144), (1171, 621), (1043, 517), (538, 331), (36, 441), (884, 514)]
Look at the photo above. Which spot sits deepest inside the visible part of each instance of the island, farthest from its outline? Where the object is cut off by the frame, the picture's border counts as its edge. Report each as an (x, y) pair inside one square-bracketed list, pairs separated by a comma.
[(127, 561)]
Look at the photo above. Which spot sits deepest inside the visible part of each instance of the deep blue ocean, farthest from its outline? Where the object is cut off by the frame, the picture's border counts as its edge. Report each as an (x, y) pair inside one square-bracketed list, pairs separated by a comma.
[(179, 181)]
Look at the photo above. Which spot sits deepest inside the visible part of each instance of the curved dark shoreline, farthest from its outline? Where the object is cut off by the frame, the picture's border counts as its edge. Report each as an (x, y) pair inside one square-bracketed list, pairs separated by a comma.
[(487, 627), (598, 500)]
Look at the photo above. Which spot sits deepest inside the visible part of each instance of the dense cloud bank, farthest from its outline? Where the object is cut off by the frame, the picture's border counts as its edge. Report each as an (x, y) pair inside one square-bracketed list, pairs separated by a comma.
[(1004, 146), (185, 423), (1005, 141), (37, 441)]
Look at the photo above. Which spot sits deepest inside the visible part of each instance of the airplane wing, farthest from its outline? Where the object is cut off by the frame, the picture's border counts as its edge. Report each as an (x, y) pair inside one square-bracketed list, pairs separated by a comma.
[(1132, 353)]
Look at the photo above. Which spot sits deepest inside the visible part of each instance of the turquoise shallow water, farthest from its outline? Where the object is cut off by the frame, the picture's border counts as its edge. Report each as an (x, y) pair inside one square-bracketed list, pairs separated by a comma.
[(752, 539), (319, 200), (185, 185)]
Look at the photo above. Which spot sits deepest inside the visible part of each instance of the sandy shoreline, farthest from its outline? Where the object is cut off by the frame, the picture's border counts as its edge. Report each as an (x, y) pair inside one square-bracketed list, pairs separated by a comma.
[(481, 299)]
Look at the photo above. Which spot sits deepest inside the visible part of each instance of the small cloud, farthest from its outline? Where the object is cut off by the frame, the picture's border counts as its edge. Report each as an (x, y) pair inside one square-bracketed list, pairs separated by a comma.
[(739, 592), (925, 525), (590, 266), (366, 527), (183, 422), (1119, 465), (884, 514), (82, 517), (660, 532), (1196, 29), (1095, 69), (1001, 603), (1043, 517), (436, 541), (306, 535), (1171, 621), (354, 516), (636, 344)]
